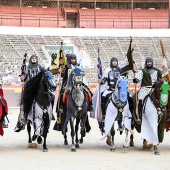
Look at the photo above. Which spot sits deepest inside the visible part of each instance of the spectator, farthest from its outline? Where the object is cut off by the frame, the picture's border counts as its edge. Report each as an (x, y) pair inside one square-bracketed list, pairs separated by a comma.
[(9, 74)]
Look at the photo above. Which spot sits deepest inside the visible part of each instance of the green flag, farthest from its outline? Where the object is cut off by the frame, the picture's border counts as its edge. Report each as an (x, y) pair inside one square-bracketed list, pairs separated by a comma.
[(129, 65)]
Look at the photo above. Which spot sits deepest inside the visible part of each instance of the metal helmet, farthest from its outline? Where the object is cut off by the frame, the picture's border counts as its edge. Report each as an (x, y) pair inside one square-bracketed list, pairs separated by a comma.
[(69, 60), (148, 59), (111, 60)]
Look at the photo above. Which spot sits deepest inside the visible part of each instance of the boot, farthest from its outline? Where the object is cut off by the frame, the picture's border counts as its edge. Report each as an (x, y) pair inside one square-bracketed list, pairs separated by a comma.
[(87, 125), (139, 121), (103, 111)]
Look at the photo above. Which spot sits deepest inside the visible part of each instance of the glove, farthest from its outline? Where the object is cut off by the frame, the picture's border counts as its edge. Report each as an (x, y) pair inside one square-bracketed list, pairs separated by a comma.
[(135, 80)]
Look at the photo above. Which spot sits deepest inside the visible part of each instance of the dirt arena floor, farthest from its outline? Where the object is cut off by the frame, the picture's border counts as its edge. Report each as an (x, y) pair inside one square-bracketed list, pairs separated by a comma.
[(93, 154)]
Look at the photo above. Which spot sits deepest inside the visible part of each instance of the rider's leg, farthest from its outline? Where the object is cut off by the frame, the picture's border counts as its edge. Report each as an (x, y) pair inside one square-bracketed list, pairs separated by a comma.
[(140, 105), (87, 90)]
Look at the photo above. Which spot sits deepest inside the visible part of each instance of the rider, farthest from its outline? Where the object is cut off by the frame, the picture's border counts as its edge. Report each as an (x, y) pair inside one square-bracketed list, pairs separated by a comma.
[(4, 109), (31, 70), (71, 64), (148, 77), (110, 77)]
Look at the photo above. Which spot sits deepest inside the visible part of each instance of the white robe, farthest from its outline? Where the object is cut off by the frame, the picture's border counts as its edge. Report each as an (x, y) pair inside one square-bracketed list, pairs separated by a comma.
[(149, 127), (111, 114)]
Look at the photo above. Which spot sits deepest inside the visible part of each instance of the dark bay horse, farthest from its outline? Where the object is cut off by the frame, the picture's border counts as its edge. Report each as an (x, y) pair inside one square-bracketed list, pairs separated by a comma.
[(159, 100), (76, 103), (37, 105)]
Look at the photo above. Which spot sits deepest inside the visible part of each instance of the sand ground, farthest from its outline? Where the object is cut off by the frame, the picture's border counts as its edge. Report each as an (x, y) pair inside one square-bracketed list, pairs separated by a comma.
[(93, 154)]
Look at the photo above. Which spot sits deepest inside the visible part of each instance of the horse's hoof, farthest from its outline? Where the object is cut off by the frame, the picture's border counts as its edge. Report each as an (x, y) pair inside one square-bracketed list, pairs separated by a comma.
[(157, 153), (147, 146), (32, 145), (45, 149), (39, 140), (125, 147), (77, 145), (112, 149), (65, 142), (73, 149), (34, 137), (80, 141), (131, 144)]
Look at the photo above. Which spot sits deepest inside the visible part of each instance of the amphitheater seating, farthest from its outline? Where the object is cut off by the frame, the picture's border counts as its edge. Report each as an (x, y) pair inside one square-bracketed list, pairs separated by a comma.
[(12, 48)]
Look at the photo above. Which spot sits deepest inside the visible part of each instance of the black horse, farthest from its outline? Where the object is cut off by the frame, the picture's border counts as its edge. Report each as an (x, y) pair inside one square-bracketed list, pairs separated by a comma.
[(37, 105), (76, 103)]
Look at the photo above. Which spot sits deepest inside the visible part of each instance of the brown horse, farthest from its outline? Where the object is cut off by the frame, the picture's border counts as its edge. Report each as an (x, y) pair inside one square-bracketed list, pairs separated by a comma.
[(154, 97)]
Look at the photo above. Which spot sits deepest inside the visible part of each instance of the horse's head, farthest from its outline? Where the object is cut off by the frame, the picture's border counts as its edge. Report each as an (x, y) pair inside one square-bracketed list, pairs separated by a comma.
[(77, 78), (49, 79), (161, 91), (121, 89)]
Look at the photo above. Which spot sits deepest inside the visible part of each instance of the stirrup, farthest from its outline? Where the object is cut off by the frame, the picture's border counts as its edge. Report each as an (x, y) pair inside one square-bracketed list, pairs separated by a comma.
[(139, 121), (4, 124)]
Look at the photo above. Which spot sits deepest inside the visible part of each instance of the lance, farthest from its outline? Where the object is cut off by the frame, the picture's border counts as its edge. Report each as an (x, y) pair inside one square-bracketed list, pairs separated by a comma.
[(59, 85), (23, 70), (99, 91), (134, 71)]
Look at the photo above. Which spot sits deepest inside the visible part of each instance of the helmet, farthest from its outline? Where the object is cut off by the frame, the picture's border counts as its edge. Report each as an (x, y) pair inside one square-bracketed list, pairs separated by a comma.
[(147, 60), (33, 56), (69, 59), (111, 60)]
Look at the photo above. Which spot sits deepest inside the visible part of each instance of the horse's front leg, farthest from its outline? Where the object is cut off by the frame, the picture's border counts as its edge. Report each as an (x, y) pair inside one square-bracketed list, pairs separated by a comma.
[(156, 152), (73, 148), (82, 130), (112, 132), (76, 131), (131, 143), (46, 123), (125, 146), (29, 132)]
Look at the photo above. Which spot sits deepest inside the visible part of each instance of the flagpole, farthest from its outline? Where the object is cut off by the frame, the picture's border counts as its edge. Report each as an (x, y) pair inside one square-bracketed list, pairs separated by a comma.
[(59, 85), (99, 92), (136, 96)]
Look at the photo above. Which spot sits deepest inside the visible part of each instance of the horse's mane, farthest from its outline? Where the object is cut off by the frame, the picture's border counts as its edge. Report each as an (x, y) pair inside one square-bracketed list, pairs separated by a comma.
[(30, 91)]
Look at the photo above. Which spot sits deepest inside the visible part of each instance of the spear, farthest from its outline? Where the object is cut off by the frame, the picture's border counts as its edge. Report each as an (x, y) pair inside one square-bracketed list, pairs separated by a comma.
[(99, 91), (23, 70), (59, 85)]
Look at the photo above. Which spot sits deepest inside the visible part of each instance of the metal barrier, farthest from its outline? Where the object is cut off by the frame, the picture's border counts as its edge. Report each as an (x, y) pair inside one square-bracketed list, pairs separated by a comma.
[(100, 23)]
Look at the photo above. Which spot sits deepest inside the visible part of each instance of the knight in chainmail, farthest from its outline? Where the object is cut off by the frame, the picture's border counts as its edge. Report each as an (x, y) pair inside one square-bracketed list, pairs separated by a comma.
[(71, 64), (32, 70), (148, 76), (109, 80), (110, 77)]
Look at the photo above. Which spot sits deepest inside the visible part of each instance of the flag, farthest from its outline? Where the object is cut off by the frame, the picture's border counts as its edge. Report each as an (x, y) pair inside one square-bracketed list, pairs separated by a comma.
[(59, 61), (99, 66), (164, 62), (129, 62), (63, 60)]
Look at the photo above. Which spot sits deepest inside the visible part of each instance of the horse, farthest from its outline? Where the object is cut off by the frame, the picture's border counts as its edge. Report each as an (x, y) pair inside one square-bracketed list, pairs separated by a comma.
[(37, 105), (3, 112), (76, 103), (117, 106), (159, 99)]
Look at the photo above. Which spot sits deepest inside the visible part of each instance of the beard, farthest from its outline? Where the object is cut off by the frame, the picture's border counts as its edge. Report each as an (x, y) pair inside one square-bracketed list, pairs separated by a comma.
[(149, 66)]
